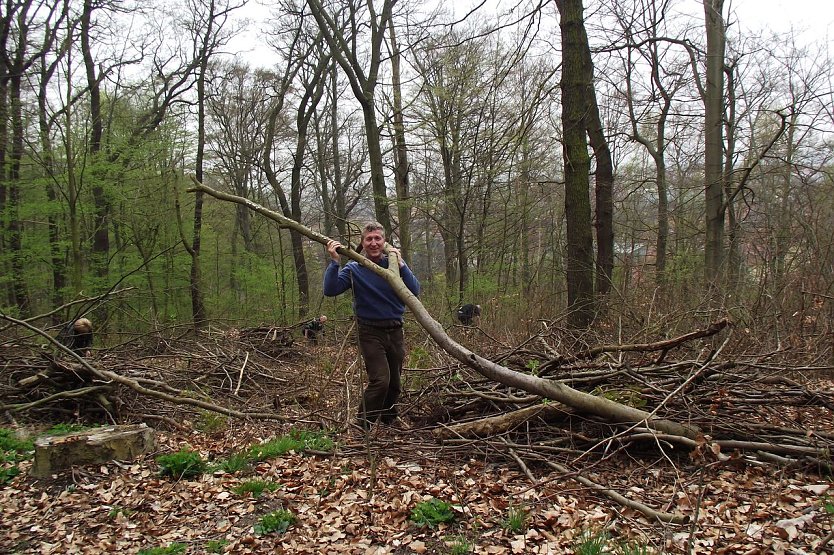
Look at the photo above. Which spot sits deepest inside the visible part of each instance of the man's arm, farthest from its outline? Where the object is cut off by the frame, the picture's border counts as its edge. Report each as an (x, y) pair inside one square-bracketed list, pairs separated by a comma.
[(335, 281), (409, 279)]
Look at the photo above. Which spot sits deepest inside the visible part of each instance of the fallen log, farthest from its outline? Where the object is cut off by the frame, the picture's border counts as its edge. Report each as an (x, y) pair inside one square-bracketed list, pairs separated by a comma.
[(494, 425), (100, 445), (663, 346)]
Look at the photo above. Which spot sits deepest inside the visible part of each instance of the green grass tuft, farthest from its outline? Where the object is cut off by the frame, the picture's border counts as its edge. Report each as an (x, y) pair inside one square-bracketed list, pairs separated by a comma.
[(183, 464), (431, 513), (275, 522), (171, 549), (255, 487)]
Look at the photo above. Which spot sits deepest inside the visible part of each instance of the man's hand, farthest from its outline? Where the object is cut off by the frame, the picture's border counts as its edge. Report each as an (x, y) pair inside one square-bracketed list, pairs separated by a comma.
[(331, 248), (396, 251)]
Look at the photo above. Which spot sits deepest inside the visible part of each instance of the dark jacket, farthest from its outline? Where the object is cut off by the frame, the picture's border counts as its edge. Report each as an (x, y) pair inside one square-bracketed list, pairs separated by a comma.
[(373, 297)]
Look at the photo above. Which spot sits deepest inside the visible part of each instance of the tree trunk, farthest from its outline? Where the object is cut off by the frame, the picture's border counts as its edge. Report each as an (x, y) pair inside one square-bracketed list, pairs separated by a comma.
[(101, 211), (57, 253), (363, 82), (401, 164), (339, 192), (604, 174), (377, 169), (574, 85), (604, 188), (713, 142), (15, 224)]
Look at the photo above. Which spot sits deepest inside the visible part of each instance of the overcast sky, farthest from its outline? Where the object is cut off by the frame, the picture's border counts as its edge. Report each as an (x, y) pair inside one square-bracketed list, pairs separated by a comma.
[(814, 16)]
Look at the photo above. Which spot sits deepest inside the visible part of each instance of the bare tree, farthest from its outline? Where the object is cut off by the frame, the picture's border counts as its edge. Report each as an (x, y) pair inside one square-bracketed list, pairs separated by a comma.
[(237, 103), (342, 29), (575, 87), (714, 141), (207, 34), (20, 21), (650, 102), (401, 163)]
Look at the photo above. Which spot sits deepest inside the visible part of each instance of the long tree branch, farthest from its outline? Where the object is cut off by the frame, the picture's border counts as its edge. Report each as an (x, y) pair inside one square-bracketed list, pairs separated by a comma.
[(605, 408)]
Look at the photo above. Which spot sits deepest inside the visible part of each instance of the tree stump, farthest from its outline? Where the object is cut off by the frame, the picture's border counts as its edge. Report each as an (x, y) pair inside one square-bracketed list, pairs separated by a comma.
[(56, 453)]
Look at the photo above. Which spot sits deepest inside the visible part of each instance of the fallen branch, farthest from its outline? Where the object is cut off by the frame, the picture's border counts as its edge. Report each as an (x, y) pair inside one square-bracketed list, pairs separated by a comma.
[(75, 393), (107, 376), (495, 425), (664, 345), (557, 391)]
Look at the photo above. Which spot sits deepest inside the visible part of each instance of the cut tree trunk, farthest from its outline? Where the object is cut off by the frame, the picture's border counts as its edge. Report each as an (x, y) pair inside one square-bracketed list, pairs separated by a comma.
[(100, 445)]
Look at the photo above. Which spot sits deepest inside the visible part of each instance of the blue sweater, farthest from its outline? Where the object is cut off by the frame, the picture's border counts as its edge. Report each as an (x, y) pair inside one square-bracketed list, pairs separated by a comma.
[(373, 298)]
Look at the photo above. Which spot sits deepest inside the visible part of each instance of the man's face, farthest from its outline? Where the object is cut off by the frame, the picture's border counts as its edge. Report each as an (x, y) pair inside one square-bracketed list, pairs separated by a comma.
[(372, 244)]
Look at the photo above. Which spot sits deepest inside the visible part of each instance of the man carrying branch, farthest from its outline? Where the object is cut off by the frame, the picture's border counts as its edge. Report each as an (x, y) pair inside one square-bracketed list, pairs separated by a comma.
[(379, 318)]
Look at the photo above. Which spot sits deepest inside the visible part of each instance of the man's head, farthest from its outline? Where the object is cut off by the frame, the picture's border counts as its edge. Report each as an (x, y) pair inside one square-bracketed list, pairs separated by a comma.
[(82, 325), (373, 239)]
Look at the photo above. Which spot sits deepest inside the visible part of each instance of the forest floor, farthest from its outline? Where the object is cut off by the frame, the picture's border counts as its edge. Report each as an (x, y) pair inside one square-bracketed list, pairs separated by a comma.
[(359, 497)]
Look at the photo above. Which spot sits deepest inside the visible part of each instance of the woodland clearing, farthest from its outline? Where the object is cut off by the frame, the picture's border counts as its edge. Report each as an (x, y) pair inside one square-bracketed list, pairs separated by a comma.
[(756, 481)]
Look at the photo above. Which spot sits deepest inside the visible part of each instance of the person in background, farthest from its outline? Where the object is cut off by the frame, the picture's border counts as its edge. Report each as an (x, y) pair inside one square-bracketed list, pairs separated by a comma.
[(311, 329), (379, 319), (468, 312), (78, 336)]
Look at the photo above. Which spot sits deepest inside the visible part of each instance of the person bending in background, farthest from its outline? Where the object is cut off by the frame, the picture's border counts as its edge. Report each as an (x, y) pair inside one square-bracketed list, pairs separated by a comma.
[(379, 319), (466, 313), (311, 329), (78, 337)]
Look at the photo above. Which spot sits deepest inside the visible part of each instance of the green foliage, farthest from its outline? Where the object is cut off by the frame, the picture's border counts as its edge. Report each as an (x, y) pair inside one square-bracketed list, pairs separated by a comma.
[(419, 357), (297, 440), (599, 542), (459, 545), (632, 548), (182, 464), (516, 521), (255, 487), (255, 278), (209, 422), (115, 511), (828, 505), (276, 521), (12, 450), (235, 463), (7, 474), (314, 441), (685, 268), (482, 285), (533, 366), (11, 445), (64, 429), (591, 543), (431, 513), (171, 549), (630, 396), (216, 546)]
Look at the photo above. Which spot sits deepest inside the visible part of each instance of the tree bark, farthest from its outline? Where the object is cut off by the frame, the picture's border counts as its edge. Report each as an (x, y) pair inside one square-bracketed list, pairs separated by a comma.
[(15, 71), (574, 85), (713, 142), (101, 210), (401, 164)]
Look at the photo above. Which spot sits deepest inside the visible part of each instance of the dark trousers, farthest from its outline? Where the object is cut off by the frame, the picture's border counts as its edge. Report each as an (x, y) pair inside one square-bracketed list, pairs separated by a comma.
[(383, 350)]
